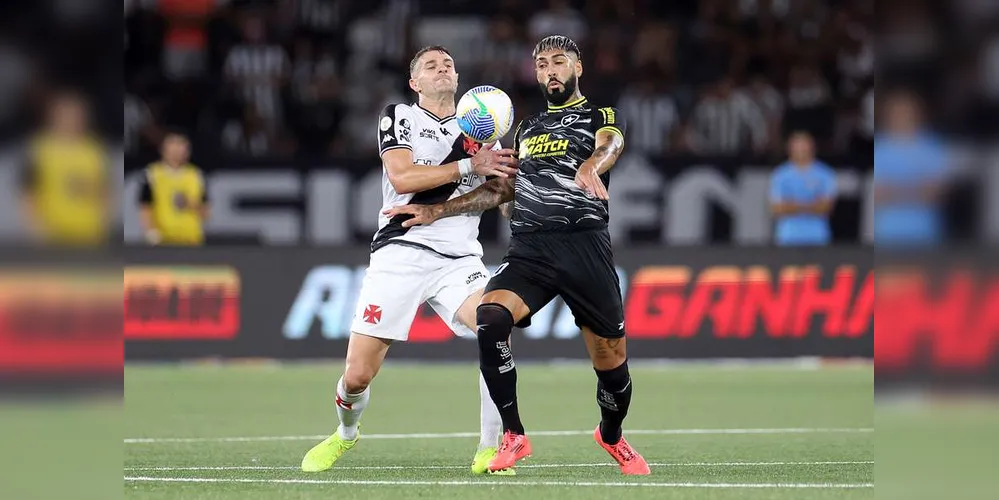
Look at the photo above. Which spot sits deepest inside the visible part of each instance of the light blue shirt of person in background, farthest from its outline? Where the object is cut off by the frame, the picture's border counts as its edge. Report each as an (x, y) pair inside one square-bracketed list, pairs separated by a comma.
[(802, 192), (910, 169)]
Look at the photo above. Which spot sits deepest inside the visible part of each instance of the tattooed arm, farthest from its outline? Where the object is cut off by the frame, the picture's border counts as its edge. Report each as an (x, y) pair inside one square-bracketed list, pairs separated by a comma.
[(489, 195), (609, 144), (506, 209)]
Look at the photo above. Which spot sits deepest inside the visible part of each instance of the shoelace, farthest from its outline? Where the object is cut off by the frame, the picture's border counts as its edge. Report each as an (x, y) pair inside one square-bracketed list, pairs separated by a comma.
[(507, 442), (625, 450)]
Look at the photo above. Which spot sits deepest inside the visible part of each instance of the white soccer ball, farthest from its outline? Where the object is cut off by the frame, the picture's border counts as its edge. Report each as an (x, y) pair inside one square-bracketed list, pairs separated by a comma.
[(485, 114)]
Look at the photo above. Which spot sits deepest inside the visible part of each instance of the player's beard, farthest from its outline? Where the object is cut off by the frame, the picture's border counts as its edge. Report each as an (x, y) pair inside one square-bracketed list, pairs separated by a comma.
[(558, 97)]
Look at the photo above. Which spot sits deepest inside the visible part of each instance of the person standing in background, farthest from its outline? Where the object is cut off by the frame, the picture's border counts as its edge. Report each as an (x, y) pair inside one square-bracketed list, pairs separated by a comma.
[(802, 192), (174, 198), (66, 188), (910, 166)]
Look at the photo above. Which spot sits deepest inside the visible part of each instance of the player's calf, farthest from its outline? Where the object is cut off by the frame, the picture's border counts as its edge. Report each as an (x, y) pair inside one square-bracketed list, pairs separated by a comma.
[(495, 323), (365, 356), (610, 362), (614, 397)]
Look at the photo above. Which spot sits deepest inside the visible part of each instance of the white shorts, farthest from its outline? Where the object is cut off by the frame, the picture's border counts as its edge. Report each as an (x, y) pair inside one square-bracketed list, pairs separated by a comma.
[(399, 278)]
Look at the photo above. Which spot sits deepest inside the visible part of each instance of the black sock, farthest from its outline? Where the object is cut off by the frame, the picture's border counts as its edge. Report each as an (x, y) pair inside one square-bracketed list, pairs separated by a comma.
[(496, 362), (614, 398)]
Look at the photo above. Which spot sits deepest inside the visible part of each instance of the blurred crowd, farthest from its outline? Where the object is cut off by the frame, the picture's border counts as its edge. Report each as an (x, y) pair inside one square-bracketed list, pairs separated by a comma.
[(308, 77)]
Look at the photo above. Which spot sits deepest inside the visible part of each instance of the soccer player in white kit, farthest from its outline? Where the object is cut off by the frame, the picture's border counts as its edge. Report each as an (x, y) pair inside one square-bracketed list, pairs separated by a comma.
[(426, 160)]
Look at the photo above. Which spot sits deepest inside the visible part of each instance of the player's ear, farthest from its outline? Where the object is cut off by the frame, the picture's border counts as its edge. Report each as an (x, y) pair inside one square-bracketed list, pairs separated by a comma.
[(579, 68), (413, 85)]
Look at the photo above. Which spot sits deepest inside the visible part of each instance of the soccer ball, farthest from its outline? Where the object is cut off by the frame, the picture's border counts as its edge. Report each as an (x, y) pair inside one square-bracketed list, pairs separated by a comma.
[(485, 114)]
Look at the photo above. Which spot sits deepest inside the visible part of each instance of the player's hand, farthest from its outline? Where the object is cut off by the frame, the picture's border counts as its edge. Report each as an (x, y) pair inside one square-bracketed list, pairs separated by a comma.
[(421, 214), (588, 179), (499, 162)]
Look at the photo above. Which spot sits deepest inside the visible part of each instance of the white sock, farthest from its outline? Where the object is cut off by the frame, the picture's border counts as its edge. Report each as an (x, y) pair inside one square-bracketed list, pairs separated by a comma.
[(349, 408), (490, 421)]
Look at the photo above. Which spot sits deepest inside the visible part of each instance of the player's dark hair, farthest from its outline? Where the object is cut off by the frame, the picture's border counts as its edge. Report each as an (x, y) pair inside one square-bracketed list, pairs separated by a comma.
[(556, 42), (424, 50)]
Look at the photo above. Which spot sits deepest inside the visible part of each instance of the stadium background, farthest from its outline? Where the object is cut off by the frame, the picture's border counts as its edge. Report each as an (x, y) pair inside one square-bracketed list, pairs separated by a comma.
[(279, 98), (284, 128)]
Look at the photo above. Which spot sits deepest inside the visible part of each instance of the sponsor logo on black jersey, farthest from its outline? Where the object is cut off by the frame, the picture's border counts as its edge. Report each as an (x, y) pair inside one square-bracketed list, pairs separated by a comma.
[(543, 146)]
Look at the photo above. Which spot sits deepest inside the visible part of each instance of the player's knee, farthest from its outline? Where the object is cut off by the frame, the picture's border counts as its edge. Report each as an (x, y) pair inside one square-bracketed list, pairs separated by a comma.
[(614, 378), (357, 378), (494, 322), (608, 354)]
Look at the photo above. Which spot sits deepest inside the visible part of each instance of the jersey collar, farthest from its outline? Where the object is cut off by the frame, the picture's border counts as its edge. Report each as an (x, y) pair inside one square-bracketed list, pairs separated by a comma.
[(577, 102), (432, 115)]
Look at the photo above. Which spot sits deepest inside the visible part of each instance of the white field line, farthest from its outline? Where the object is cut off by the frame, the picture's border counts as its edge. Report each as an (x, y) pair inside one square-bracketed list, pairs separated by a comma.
[(493, 484), (795, 430), (460, 467)]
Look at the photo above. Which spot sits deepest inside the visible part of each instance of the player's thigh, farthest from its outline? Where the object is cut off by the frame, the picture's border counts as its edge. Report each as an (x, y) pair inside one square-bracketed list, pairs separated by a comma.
[(365, 356), (523, 287), (589, 284), (455, 290), (394, 286)]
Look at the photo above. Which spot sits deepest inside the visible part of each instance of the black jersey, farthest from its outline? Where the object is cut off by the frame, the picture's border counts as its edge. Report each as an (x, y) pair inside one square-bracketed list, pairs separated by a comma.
[(551, 145)]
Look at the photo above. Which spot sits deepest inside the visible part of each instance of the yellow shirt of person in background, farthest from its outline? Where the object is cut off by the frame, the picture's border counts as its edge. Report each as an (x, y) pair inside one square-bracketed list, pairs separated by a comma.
[(174, 197), (66, 183)]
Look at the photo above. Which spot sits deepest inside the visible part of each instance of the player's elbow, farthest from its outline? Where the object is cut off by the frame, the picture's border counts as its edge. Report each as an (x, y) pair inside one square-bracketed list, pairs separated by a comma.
[(402, 187), (401, 182)]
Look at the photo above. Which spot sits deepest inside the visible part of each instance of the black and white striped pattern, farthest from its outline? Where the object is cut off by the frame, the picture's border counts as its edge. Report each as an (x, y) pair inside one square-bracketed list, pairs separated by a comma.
[(652, 118), (319, 16), (727, 126), (396, 25), (256, 70), (867, 115), (137, 117)]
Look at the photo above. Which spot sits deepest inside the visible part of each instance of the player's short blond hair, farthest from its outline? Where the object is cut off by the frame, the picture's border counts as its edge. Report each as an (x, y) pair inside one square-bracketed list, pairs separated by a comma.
[(424, 50)]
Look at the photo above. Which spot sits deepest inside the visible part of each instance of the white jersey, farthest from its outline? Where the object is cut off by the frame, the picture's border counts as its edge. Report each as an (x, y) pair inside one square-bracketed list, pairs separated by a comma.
[(433, 141)]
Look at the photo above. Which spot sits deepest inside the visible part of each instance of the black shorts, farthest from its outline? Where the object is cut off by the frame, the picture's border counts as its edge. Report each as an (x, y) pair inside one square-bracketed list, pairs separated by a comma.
[(578, 266)]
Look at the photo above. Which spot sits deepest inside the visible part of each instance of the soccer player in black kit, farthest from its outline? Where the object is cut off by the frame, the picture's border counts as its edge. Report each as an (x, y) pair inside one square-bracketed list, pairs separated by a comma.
[(560, 246)]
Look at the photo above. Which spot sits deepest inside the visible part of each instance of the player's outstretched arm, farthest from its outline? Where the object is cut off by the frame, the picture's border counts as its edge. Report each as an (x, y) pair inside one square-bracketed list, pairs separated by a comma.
[(609, 144), (491, 194), (408, 177)]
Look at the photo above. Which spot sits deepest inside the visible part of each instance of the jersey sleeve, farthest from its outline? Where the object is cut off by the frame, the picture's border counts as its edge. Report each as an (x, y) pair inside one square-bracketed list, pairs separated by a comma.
[(829, 187), (777, 192), (609, 119), (145, 190), (395, 128), (516, 137), (204, 186)]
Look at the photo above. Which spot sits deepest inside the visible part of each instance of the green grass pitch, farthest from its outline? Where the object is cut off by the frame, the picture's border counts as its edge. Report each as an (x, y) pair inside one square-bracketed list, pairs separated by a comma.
[(239, 432)]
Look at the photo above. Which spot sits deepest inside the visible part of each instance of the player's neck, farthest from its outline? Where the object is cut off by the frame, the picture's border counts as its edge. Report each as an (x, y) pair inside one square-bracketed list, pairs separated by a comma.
[(442, 106), (574, 98)]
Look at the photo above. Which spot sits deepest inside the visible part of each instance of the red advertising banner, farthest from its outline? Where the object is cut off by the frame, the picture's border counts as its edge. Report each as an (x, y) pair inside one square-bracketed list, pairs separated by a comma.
[(949, 322), (740, 302), (182, 302), (66, 321), (936, 319)]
